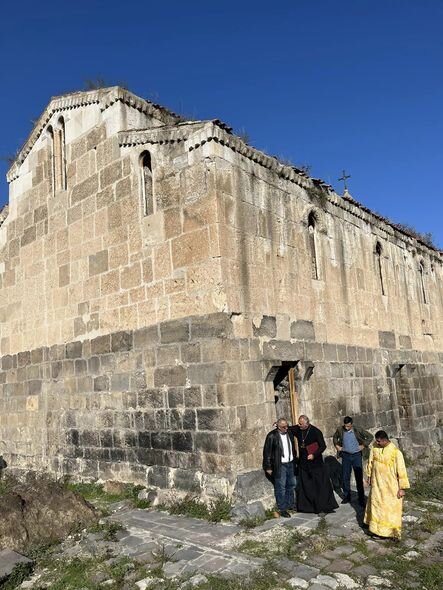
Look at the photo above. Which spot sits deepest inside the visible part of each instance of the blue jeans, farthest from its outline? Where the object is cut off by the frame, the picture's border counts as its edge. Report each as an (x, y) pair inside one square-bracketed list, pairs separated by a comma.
[(352, 461), (284, 487)]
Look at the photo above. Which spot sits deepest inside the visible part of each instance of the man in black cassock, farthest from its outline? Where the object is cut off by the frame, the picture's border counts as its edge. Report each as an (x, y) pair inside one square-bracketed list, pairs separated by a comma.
[(314, 490)]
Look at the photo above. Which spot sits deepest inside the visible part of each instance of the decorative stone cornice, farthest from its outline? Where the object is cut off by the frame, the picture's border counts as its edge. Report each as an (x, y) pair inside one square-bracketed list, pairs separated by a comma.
[(4, 214), (105, 97), (196, 134), (159, 135)]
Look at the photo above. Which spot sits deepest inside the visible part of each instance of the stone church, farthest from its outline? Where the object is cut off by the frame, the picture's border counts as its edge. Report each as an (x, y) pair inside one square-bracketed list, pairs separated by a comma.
[(167, 290)]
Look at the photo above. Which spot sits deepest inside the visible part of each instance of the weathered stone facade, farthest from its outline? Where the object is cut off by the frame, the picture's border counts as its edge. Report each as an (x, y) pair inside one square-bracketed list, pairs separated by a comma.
[(158, 279)]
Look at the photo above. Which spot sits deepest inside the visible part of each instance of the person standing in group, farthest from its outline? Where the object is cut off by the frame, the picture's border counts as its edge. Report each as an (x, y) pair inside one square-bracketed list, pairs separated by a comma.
[(280, 464), (314, 492), (387, 476), (351, 442)]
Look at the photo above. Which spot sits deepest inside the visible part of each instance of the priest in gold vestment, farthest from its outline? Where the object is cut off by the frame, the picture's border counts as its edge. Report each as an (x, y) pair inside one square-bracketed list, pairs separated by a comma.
[(388, 479)]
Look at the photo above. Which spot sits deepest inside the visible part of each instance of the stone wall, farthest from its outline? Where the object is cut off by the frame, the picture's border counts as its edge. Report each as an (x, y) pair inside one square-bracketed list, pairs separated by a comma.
[(146, 347), (186, 405)]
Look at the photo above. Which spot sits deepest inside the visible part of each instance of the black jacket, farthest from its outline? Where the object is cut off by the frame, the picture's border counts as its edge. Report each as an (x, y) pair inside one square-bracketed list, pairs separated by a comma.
[(273, 452)]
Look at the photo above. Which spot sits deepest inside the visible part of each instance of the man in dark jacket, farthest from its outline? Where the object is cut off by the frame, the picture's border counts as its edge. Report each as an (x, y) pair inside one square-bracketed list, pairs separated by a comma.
[(280, 464), (351, 443)]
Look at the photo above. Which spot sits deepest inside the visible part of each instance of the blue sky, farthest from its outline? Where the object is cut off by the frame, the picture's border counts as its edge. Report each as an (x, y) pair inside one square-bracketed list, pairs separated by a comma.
[(333, 84)]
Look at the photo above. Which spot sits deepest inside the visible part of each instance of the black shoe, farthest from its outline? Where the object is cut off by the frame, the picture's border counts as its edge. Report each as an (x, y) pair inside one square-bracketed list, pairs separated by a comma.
[(285, 514), (346, 501)]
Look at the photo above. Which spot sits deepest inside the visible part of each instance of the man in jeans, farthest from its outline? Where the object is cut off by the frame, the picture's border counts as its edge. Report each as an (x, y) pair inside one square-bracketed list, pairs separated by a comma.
[(352, 442), (279, 462)]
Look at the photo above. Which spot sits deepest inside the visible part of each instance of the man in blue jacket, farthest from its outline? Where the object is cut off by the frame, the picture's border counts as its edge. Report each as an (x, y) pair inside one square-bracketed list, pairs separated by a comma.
[(280, 464), (352, 444)]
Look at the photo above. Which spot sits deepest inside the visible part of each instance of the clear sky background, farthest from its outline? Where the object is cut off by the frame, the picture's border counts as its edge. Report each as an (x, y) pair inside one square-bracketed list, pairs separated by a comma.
[(333, 84)]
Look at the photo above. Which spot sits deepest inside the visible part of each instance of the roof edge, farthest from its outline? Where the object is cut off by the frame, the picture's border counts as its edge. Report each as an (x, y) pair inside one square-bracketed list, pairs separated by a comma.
[(105, 97)]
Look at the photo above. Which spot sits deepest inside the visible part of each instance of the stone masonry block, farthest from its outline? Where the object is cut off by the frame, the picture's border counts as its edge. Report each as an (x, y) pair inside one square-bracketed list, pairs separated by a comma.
[(101, 345), (212, 419), (217, 325), (174, 331), (95, 136), (74, 350), (205, 373), (110, 174), (28, 236), (98, 263), (182, 441), (330, 352), (161, 440), (405, 342), (64, 275), (146, 337), (282, 350), (193, 396), (302, 330), (206, 442), (190, 248), (186, 480), (120, 382), (121, 341), (158, 476), (314, 351), (101, 383), (386, 339), (84, 189), (23, 358), (170, 376), (191, 353), (268, 327)]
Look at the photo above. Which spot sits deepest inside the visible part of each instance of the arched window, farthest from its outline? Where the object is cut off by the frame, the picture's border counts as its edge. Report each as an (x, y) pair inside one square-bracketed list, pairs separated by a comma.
[(421, 271), (312, 247), (146, 181), (51, 158), (60, 155), (378, 254), (63, 175)]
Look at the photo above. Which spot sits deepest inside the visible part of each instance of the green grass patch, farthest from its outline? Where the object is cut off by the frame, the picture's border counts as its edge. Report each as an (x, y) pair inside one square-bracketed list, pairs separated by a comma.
[(429, 574), (72, 574), (429, 523), (429, 485), (216, 511), (108, 530), (322, 527), (95, 494), (251, 523), (264, 579), (19, 574)]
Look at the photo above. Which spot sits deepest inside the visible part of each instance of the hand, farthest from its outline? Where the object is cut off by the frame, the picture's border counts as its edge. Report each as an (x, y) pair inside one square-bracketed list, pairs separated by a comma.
[(361, 447), (269, 471), (339, 449), (400, 494), (310, 457)]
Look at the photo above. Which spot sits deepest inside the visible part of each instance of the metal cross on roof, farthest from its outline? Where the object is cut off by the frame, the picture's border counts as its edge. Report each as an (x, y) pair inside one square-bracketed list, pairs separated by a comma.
[(344, 178)]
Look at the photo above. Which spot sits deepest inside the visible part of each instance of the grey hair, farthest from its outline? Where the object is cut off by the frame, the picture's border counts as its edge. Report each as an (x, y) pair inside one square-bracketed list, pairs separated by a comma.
[(280, 420), (304, 418)]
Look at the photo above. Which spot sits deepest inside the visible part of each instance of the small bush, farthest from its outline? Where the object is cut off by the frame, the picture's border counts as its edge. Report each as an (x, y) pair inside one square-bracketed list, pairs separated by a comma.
[(429, 486), (19, 574), (218, 509)]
